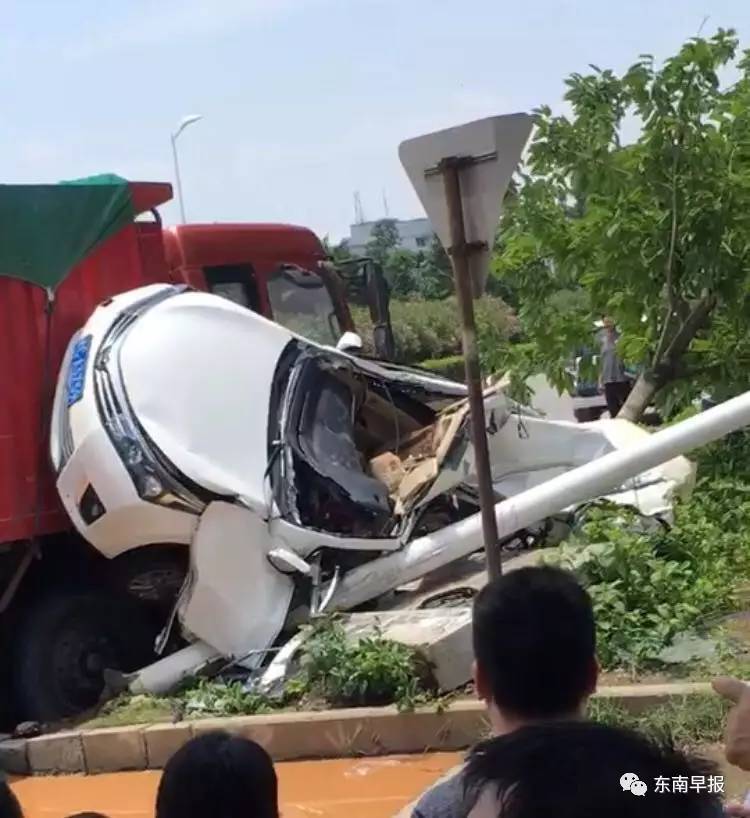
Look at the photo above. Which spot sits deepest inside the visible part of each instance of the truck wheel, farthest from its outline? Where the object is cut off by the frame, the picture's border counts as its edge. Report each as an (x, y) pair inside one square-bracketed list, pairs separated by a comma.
[(64, 645), (151, 576)]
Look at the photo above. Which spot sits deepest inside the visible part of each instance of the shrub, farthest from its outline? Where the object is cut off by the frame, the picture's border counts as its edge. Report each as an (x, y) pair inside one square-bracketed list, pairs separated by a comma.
[(217, 698), (649, 587), (370, 671)]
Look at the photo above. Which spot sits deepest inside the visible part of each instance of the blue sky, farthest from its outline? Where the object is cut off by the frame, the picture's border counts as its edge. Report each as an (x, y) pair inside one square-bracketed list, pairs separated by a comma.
[(305, 101)]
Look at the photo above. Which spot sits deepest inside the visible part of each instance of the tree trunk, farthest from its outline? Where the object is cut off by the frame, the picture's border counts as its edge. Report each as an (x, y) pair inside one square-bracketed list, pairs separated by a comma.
[(642, 393), (668, 358)]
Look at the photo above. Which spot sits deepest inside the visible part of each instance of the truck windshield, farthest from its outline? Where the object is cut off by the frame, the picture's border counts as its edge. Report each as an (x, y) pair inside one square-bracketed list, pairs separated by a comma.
[(301, 302)]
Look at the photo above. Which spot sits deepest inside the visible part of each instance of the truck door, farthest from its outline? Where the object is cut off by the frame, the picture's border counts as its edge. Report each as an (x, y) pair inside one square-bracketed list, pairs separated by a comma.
[(236, 282)]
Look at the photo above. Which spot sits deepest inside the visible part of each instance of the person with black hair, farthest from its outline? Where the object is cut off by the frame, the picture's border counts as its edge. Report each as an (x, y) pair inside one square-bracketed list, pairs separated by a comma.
[(221, 776), (534, 660), (9, 806), (580, 769), (87, 815)]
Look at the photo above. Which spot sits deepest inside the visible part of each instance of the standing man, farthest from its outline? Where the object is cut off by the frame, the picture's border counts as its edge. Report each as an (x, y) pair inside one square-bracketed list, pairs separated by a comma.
[(612, 376)]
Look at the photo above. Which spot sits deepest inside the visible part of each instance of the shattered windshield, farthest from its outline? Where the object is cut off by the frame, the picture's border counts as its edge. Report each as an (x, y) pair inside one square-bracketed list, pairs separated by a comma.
[(301, 302)]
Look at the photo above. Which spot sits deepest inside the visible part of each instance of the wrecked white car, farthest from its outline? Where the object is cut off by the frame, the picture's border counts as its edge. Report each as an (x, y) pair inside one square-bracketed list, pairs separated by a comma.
[(291, 470)]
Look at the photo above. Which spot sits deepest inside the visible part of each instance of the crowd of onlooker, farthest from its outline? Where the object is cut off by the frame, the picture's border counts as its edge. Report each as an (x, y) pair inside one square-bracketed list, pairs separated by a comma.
[(535, 667)]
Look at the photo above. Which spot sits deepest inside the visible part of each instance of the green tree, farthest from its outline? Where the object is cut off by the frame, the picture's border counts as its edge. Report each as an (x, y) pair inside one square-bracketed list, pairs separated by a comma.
[(435, 272), (402, 271), (337, 252), (383, 239), (655, 231)]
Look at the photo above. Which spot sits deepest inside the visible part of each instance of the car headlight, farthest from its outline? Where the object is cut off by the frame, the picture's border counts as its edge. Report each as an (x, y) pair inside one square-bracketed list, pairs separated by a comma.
[(154, 477), (133, 456), (143, 471)]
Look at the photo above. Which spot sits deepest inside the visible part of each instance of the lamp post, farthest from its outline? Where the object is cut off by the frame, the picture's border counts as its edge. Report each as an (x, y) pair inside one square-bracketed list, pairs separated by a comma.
[(184, 122)]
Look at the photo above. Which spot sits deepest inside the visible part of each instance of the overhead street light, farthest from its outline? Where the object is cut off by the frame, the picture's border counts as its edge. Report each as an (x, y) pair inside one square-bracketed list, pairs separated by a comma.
[(183, 123)]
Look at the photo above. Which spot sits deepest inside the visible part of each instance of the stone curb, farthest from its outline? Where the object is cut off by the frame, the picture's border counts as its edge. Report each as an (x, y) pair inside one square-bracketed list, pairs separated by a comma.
[(364, 731)]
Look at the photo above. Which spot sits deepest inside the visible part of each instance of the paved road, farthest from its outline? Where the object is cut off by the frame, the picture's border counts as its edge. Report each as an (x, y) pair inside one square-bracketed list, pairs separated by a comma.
[(367, 788)]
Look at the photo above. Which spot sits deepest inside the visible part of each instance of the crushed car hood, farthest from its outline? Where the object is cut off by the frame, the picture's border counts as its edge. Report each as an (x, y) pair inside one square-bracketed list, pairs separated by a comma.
[(198, 371)]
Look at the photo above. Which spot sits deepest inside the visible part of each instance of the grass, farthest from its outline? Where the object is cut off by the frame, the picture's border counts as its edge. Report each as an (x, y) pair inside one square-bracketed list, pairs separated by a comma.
[(127, 710), (687, 722)]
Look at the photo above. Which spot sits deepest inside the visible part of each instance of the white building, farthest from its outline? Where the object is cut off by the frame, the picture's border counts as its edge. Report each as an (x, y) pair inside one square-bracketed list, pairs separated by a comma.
[(413, 234)]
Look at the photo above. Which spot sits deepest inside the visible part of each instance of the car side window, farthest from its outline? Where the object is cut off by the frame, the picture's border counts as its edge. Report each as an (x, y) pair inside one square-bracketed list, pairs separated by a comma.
[(235, 282)]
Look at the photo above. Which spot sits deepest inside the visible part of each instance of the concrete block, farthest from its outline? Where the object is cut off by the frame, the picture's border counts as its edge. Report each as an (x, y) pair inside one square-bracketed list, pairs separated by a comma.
[(637, 699), (13, 756), (57, 753), (163, 741), (364, 731), (426, 730), (443, 636), (327, 734), (112, 749), (288, 736)]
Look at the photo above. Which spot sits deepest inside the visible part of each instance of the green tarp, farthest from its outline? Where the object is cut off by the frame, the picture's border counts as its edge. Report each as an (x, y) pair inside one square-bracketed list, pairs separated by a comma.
[(45, 230)]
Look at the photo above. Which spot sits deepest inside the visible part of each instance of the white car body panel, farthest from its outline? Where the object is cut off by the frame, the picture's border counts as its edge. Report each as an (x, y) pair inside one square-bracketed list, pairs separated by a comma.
[(304, 541), (128, 522), (203, 399), (238, 602)]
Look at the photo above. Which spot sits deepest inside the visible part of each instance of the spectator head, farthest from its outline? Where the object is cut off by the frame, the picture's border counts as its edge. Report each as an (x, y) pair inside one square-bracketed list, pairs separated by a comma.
[(88, 815), (534, 646), (608, 321), (9, 806), (218, 775), (574, 769)]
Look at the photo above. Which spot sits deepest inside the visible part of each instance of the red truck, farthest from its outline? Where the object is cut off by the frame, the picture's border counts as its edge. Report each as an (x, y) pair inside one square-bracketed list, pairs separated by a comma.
[(62, 607)]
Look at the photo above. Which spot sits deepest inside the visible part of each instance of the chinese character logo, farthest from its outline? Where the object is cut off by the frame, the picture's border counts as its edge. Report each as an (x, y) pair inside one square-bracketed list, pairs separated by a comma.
[(696, 783), (632, 784)]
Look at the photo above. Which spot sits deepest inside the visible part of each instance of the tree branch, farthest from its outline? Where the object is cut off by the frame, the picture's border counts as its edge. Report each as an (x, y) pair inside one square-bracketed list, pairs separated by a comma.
[(666, 332), (669, 270), (669, 267), (695, 320)]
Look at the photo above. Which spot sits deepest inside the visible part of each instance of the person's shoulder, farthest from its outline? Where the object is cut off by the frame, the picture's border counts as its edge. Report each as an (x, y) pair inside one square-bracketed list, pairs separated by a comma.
[(446, 799)]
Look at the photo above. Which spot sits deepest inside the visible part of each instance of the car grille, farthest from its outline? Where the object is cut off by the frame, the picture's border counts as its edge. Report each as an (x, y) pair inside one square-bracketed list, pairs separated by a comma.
[(65, 434)]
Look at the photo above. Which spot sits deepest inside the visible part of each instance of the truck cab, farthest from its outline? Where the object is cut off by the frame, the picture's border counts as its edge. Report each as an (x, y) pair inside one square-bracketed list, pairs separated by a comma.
[(276, 270)]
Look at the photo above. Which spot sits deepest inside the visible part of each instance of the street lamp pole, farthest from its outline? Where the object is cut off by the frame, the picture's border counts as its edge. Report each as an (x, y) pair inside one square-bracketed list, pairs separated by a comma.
[(184, 122)]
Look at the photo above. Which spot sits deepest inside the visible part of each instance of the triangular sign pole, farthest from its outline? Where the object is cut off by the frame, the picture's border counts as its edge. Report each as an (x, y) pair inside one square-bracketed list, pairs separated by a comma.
[(461, 176)]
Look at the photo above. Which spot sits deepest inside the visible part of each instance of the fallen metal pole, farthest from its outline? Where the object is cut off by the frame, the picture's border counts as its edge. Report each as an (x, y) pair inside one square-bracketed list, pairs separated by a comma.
[(162, 676), (459, 253), (442, 547)]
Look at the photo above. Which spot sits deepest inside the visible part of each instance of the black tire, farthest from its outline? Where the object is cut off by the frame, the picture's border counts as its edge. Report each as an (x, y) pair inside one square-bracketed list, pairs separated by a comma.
[(151, 576), (64, 644)]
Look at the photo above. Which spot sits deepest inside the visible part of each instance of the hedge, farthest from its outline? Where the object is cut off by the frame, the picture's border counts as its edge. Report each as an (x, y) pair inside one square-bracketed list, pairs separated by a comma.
[(430, 330), (452, 366)]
